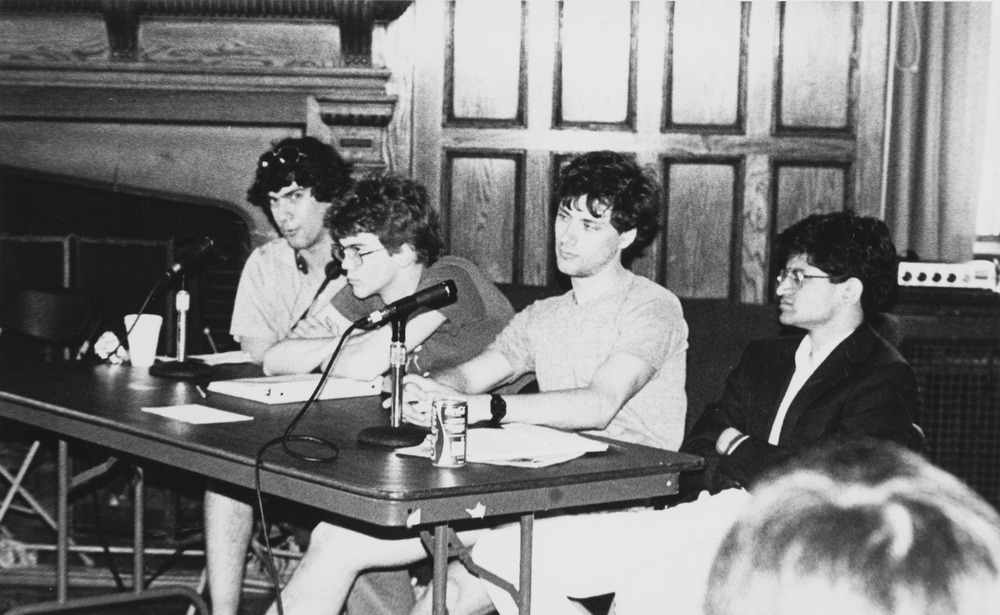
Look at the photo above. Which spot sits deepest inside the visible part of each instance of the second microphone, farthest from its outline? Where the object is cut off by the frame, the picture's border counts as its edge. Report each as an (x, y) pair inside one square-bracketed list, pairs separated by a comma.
[(432, 297)]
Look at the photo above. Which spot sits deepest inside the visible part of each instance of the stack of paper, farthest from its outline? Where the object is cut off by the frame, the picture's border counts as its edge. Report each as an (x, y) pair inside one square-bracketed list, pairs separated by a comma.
[(296, 388), (529, 446)]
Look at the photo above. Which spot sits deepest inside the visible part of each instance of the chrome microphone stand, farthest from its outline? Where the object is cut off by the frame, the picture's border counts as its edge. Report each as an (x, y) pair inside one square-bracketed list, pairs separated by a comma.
[(397, 433)]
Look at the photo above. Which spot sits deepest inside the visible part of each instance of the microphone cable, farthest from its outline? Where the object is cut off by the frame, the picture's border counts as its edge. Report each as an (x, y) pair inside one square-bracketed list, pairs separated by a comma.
[(285, 440)]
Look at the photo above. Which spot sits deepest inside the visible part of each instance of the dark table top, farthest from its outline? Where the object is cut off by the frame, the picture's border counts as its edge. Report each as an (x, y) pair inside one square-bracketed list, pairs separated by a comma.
[(102, 405)]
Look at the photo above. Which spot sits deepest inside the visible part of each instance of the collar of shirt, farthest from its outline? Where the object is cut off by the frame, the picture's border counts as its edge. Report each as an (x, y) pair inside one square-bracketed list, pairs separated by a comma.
[(807, 359)]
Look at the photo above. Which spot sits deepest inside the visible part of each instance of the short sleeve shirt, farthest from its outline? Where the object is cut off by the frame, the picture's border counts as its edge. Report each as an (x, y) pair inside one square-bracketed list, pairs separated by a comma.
[(564, 343), (272, 294)]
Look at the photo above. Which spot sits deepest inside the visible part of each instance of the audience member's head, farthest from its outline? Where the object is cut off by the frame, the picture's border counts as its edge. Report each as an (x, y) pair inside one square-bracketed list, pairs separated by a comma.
[(866, 528), (306, 162), (608, 180), (394, 209), (846, 246)]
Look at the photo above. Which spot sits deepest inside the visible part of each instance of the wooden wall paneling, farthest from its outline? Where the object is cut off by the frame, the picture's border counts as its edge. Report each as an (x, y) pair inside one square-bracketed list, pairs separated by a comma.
[(755, 226), (761, 49), (816, 66), (537, 262), (706, 66), (541, 29), (485, 80), (596, 65), (483, 209), (428, 96), (236, 42), (651, 70), (873, 63), (804, 189), (651, 44), (702, 202), (68, 37), (393, 47)]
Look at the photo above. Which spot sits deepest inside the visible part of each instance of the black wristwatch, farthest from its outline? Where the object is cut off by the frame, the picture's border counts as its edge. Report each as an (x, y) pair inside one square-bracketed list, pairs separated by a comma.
[(498, 408)]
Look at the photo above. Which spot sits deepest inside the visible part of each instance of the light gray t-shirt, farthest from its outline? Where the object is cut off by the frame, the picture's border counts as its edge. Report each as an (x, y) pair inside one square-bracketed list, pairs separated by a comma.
[(564, 343)]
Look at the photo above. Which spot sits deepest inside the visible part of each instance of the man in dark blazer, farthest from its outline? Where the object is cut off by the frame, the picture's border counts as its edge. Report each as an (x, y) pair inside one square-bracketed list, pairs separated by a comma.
[(837, 380)]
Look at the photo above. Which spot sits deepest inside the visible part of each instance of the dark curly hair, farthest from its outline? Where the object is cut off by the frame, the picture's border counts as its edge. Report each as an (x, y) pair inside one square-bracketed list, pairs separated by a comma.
[(393, 208), (611, 180), (306, 161), (846, 246)]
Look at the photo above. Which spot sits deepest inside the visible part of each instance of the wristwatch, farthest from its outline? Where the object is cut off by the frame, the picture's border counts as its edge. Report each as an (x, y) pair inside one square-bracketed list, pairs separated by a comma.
[(498, 408)]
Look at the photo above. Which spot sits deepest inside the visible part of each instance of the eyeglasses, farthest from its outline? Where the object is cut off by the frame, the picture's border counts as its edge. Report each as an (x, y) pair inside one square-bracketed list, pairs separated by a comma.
[(796, 277), (352, 253), (286, 155)]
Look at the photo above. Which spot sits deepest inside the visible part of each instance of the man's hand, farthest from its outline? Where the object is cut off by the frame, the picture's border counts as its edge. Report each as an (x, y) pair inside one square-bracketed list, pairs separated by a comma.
[(418, 393), (322, 324)]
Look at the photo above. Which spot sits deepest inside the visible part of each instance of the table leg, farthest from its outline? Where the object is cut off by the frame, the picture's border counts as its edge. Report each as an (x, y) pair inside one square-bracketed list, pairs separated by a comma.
[(139, 531), (62, 521), (527, 527), (440, 583)]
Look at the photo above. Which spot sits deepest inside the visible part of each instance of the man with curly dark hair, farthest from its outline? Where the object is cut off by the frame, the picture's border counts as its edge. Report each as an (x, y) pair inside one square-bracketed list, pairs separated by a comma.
[(296, 183)]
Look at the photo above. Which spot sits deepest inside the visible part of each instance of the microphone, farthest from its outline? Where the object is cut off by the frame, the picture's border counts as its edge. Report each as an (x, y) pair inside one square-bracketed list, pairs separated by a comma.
[(192, 261), (439, 295)]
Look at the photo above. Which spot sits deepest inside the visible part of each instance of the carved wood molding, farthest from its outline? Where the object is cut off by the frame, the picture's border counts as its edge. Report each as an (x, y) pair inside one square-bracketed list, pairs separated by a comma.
[(123, 18)]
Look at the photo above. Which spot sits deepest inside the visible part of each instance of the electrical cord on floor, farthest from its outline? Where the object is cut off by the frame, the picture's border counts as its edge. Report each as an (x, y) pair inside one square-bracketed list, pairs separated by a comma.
[(285, 440)]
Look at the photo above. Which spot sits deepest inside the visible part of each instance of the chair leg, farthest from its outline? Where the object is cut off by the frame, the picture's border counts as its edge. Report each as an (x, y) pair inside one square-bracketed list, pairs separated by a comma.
[(15, 481), (35, 505)]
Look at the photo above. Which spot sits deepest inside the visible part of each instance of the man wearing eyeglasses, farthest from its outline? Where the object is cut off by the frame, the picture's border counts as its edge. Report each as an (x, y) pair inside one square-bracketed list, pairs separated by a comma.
[(388, 239), (835, 381)]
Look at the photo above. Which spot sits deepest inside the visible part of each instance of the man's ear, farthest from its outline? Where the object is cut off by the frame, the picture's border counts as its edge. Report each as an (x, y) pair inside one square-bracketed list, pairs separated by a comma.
[(851, 291), (627, 238), (405, 255)]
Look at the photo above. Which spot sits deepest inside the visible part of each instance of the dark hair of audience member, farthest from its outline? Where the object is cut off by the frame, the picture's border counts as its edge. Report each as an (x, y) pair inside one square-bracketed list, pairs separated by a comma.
[(305, 161), (866, 528), (845, 246), (611, 180), (393, 208)]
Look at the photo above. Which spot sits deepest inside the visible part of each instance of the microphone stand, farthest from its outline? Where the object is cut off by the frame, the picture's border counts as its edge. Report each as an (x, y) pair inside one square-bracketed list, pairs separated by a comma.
[(183, 368), (397, 433)]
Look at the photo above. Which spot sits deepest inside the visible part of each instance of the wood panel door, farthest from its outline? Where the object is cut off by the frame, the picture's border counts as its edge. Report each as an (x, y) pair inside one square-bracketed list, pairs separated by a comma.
[(751, 115)]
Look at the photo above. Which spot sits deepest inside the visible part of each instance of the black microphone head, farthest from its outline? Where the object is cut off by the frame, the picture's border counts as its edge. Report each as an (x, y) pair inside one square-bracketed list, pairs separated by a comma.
[(334, 269), (192, 261)]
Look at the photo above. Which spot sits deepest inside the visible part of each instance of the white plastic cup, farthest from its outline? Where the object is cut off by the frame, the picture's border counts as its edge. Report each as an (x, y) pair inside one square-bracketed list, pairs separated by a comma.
[(143, 338)]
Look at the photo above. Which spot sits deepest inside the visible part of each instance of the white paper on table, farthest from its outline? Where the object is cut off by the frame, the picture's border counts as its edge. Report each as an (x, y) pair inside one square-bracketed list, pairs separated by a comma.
[(198, 414), (519, 445), (220, 358)]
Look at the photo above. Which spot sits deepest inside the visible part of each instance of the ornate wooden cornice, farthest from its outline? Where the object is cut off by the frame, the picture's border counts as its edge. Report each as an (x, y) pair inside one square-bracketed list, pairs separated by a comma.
[(122, 18)]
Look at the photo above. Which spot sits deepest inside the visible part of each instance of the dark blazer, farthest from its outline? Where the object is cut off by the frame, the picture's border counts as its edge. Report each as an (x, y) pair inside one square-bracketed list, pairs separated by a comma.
[(864, 388)]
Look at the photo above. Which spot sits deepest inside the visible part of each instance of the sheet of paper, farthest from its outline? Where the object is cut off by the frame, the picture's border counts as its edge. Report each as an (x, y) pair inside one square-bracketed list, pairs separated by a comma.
[(220, 358), (525, 446), (198, 414)]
